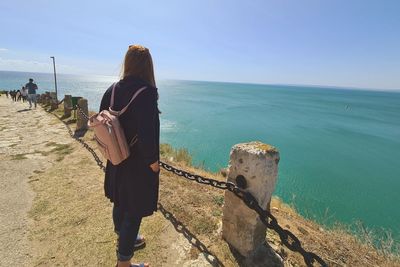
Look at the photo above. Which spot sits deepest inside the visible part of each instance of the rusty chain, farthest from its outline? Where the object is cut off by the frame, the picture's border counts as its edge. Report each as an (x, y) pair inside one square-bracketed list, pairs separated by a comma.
[(287, 238)]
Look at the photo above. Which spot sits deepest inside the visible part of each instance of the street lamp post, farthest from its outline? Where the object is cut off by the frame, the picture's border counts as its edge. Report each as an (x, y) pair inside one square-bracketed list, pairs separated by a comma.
[(55, 77)]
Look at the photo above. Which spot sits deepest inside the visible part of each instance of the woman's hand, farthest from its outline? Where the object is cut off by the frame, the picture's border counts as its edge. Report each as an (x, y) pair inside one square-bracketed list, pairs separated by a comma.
[(155, 167)]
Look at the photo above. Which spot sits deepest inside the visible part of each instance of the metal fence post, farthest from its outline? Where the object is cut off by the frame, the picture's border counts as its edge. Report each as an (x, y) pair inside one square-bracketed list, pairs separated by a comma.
[(253, 167)]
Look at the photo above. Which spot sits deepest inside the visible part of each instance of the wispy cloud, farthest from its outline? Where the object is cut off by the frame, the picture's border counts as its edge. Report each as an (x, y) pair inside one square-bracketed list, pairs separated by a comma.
[(3, 49), (19, 64), (33, 66)]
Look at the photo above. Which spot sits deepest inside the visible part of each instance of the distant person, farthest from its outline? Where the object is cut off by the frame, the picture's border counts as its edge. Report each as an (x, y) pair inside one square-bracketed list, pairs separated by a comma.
[(133, 184), (13, 94), (32, 87), (24, 93), (19, 95), (7, 94)]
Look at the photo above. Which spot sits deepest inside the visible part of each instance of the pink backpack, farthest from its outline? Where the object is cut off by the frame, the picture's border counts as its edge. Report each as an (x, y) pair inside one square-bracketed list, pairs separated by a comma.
[(109, 134)]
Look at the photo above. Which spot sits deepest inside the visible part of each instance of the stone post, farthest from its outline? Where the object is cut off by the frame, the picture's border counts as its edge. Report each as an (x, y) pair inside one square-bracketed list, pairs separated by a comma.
[(81, 122), (53, 100), (43, 99), (253, 167), (67, 105), (47, 98)]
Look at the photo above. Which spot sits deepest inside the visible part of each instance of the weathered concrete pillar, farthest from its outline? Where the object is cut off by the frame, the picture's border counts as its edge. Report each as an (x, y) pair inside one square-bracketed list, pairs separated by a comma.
[(47, 98), (53, 95), (67, 105), (53, 100), (253, 167), (81, 121), (43, 99)]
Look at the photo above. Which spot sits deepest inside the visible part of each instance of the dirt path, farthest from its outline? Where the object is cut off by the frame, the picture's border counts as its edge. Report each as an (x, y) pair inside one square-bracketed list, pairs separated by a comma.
[(20, 141)]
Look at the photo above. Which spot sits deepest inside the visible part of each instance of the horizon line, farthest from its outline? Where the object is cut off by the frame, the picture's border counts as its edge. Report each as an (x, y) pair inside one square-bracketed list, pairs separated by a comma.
[(391, 90)]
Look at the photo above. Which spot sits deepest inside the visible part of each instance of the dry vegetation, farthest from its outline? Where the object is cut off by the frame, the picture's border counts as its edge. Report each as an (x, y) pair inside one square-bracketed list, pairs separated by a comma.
[(72, 219)]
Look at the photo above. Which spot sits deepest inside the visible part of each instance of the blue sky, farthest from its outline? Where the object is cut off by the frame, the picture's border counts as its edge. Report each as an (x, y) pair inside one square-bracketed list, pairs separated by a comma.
[(326, 42)]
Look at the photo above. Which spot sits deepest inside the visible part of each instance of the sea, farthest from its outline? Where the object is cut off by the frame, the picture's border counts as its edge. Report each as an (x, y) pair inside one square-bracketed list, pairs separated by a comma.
[(339, 147)]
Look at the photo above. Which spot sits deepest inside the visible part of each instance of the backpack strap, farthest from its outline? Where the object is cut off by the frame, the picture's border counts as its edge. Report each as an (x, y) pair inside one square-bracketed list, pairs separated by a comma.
[(112, 95), (119, 113)]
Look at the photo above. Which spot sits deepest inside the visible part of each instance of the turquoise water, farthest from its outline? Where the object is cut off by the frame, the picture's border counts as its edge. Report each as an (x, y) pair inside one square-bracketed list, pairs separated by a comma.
[(340, 149)]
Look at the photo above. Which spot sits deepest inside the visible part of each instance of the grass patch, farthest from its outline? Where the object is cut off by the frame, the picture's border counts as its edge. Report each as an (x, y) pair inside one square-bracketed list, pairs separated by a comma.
[(176, 154), (219, 200), (61, 150), (19, 156), (203, 225), (40, 208), (51, 144), (382, 240)]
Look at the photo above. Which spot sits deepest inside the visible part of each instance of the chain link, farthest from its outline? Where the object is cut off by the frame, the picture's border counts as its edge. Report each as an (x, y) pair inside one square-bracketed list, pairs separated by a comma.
[(269, 220)]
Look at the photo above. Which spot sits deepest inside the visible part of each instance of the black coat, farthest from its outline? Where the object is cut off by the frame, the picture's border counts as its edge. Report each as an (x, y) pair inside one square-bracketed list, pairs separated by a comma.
[(132, 185)]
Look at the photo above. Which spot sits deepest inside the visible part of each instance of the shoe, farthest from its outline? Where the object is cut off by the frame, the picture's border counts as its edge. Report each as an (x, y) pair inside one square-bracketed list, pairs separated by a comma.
[(140, 241), (136, 265)]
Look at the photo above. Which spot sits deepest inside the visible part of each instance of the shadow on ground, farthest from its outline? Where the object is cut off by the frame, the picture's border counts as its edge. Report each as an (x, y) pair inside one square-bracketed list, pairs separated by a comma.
[(70, 121), (180, 228), (80, 133), (65, 116), (23, 110)]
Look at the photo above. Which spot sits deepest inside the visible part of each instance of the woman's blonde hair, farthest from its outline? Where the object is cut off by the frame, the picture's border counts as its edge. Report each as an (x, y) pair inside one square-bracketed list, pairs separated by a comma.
[(139, 64)]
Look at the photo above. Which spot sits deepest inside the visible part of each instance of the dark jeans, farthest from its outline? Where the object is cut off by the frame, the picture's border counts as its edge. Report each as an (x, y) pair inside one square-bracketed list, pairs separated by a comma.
[(126, 225)]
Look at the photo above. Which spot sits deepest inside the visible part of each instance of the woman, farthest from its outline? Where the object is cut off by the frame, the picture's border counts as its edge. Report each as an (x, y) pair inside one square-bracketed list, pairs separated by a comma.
[(133, 184)]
